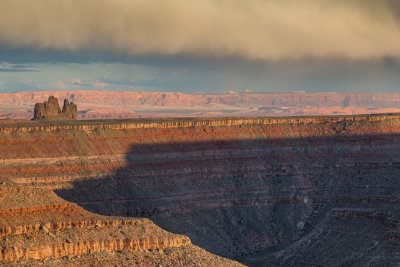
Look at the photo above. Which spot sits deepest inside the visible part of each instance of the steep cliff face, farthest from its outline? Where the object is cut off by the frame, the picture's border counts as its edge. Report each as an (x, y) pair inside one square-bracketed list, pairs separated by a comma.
[(267, 191)]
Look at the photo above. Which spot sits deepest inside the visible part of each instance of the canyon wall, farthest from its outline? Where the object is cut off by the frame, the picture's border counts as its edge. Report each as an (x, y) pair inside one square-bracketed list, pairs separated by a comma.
[(293, 191)]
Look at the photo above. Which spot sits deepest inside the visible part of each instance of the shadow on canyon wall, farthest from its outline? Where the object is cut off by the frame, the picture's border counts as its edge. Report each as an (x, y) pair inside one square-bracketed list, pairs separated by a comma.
[(235, 198)]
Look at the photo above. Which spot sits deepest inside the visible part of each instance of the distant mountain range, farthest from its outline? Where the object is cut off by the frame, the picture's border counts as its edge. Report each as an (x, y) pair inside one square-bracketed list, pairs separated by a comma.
[(112, 104)]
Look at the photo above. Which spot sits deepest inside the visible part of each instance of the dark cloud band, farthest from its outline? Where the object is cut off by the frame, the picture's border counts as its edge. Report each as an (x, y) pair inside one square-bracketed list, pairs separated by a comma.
[(254, 29)]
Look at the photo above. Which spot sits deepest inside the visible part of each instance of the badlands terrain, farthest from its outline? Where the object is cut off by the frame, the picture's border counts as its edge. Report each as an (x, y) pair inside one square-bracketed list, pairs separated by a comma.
[(262, 191), (117, 105)]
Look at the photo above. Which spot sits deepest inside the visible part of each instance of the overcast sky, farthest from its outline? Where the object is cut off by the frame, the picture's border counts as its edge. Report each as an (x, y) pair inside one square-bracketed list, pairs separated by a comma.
[(200, 46)]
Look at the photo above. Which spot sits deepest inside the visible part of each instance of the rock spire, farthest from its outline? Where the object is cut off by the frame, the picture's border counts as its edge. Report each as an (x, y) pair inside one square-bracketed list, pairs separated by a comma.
[(50, 110)]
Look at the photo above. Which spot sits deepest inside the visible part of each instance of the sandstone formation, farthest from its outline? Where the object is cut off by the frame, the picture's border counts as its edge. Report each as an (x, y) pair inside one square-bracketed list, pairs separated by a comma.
[(50, 110), (119, 105), (291, 191), (70, 110)]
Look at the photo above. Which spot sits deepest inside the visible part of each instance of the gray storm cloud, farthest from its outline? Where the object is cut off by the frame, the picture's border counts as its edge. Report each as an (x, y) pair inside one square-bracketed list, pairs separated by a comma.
[(253, 29)]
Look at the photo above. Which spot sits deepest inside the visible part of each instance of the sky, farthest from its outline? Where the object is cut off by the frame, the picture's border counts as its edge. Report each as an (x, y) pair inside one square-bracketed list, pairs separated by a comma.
[(209, 46)]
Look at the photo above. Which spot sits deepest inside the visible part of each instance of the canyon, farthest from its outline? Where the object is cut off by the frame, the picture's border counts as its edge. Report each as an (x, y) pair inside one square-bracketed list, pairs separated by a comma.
[(120, 105), (263, 191)]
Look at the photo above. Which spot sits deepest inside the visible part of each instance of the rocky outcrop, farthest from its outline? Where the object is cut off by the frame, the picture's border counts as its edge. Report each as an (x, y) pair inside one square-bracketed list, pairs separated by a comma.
[(295, 191), (50, 110), (70, 110), (46, 109)]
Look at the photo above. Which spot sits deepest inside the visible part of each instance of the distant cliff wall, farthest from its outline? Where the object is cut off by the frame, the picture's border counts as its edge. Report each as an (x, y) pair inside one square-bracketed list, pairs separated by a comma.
[(329, 99), (117, 105)]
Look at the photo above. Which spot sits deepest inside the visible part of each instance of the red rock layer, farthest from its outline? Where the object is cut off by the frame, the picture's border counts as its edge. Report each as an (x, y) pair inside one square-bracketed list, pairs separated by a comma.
[(38, 226), (87, 247), (32, 229)]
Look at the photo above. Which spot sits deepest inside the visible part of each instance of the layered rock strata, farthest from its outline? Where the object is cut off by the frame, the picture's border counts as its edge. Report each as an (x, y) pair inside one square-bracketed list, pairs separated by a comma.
[(261, 190), (38, 226)]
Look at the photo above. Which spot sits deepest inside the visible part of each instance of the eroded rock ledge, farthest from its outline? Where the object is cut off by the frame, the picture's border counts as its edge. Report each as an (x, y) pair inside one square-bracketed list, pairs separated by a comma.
[(36, 225), (337, 124)]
